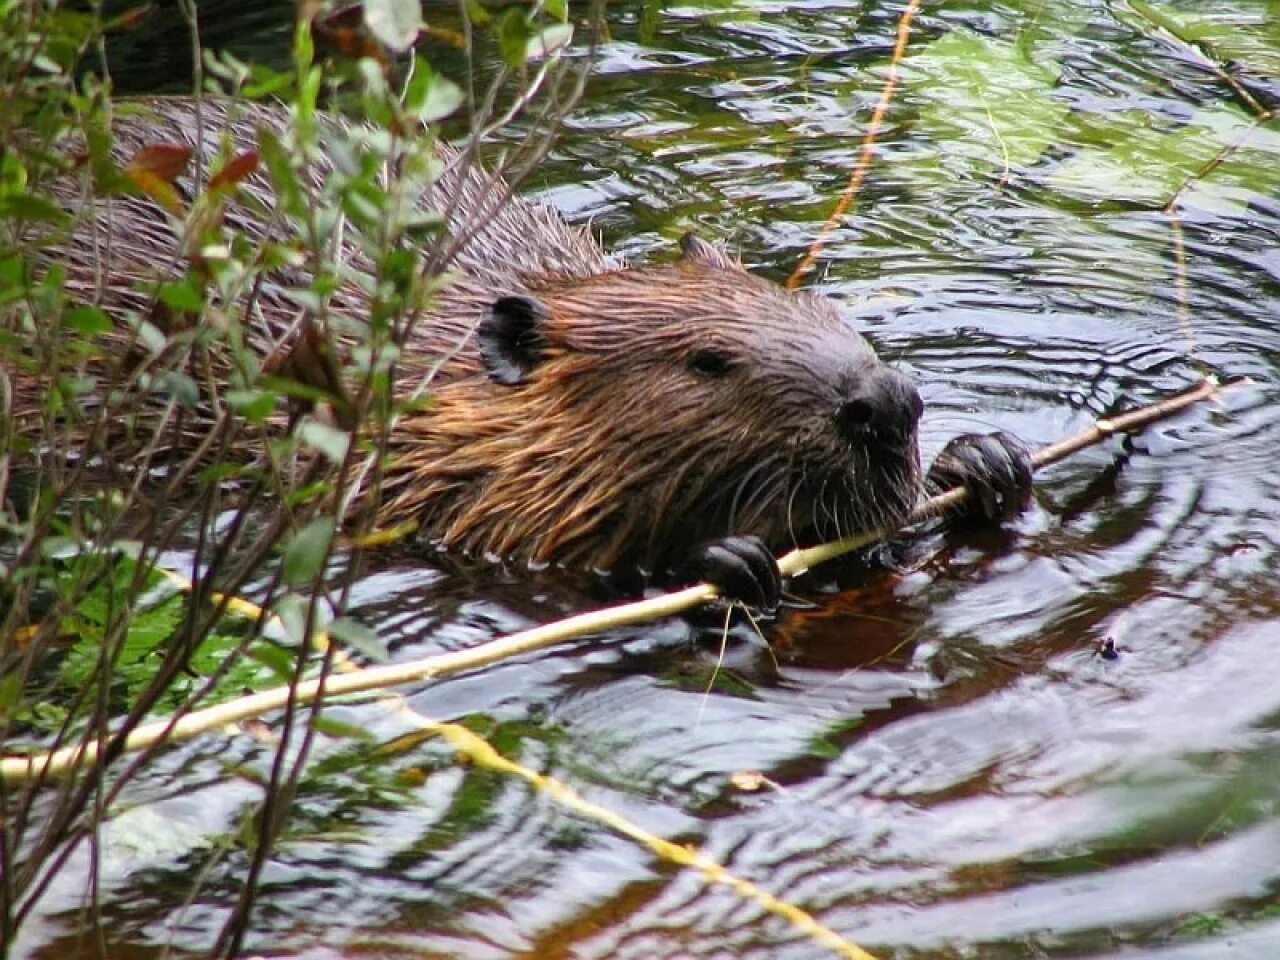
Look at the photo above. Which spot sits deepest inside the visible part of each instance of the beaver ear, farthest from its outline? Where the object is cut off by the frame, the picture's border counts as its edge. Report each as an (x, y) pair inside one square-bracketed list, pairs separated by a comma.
[(696, 250), (511, 339)]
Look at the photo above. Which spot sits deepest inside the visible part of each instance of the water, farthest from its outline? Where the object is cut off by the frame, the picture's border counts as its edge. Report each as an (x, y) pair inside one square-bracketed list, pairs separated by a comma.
[(952, 768)]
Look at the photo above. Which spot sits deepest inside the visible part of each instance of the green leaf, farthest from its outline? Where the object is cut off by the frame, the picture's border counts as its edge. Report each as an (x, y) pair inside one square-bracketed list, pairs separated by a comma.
[(245, 673), (295, 498), (57, 548), (307, 552), (306, 298), (278, 661), (152, 337), (267, 82), (360, 638), (341, 730), (10, 693), (305, 105), (87, 320), (254, 405), (304, 47), (549, 41), (27, 206), (179, 386), (1241, 33), (1138, 164), (650, 20), (421, 225), (149, 630), (73, 386), (219, 472), (394, 23), (512, 32), (478, 14), (12, 272), (328, 440), (284, 179), (430, 96), (185, 295)]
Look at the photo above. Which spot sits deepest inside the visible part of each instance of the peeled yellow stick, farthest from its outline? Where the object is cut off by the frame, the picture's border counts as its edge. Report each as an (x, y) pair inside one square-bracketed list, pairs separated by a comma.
[(16, 769)]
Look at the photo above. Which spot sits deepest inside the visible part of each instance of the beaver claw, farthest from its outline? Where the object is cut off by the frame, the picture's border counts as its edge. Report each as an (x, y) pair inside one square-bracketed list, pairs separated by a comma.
[(741, 567), (995, 467)]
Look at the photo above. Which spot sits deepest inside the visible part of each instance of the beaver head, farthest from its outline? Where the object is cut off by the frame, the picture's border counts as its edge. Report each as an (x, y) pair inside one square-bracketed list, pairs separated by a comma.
[(624, 418)]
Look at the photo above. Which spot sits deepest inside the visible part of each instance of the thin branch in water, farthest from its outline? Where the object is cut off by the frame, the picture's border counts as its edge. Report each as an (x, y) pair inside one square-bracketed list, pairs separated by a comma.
[(16, 769), (867, 151), (1202, 50)]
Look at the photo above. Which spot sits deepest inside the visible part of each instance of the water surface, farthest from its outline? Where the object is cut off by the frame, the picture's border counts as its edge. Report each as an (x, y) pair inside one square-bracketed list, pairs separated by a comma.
[(953, 769)]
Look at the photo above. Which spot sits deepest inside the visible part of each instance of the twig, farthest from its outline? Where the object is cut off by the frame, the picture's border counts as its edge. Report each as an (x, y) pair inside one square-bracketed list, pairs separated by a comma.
[(798, 561), (1172, 210), (866, 153), (17, 769), (480, 752), (1202, 50)]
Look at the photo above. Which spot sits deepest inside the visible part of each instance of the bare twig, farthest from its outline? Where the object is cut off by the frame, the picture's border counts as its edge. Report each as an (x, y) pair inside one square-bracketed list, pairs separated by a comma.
[(1202, 50), (867, 152), (798, 561), (15, 769)]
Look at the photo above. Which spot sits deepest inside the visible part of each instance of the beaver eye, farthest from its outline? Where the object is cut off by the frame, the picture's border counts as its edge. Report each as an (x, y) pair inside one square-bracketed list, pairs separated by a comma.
[(710, 363)]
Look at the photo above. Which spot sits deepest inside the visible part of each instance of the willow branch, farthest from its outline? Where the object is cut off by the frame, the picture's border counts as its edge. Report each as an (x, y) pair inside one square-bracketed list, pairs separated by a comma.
[(798, 561), (482, 754), (866, 153), (17, 769)]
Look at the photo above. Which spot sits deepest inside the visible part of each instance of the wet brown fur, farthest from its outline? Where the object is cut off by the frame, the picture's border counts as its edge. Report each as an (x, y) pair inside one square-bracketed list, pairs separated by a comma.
[(614, 450)]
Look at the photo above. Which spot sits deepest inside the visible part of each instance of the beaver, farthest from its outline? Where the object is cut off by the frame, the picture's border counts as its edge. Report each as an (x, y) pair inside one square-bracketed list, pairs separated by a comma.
[(686, 420)]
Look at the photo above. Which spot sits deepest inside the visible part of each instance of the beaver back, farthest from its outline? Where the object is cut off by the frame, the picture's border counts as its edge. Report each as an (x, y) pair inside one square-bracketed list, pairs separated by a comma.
[(580, 412)]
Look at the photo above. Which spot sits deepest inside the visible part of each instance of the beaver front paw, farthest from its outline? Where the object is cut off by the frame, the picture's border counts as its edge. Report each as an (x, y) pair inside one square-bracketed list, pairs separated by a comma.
[(995, 467), (742, 568)]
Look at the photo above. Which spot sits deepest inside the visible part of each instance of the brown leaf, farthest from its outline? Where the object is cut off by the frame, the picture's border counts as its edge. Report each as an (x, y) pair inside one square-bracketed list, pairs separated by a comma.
[(131, 18), (159, 190), (153, 170), (239, 167), (343, 31), (163, 161), (310, 361), (444, 35)]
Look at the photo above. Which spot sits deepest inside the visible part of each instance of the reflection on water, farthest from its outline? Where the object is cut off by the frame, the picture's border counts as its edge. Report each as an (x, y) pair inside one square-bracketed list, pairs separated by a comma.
[(956, 769)]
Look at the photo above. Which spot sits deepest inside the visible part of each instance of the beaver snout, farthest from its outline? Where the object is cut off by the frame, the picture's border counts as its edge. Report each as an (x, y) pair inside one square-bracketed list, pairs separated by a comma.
[(883, 407)]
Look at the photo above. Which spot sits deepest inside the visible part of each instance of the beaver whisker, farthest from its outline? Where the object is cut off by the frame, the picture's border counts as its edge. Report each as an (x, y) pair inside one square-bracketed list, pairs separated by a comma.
[(822, 510), (878, 509), (791, 488), (737, 504), (845, 517), (755, 510), (861, 473), (779, 512), (831, 506)]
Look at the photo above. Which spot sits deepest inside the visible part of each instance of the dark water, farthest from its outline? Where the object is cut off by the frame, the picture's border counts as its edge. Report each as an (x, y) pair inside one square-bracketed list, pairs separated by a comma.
[(955, 770)]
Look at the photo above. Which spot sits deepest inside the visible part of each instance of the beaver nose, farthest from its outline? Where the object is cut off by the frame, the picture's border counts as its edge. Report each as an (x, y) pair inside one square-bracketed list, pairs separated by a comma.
[(883, 406)]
